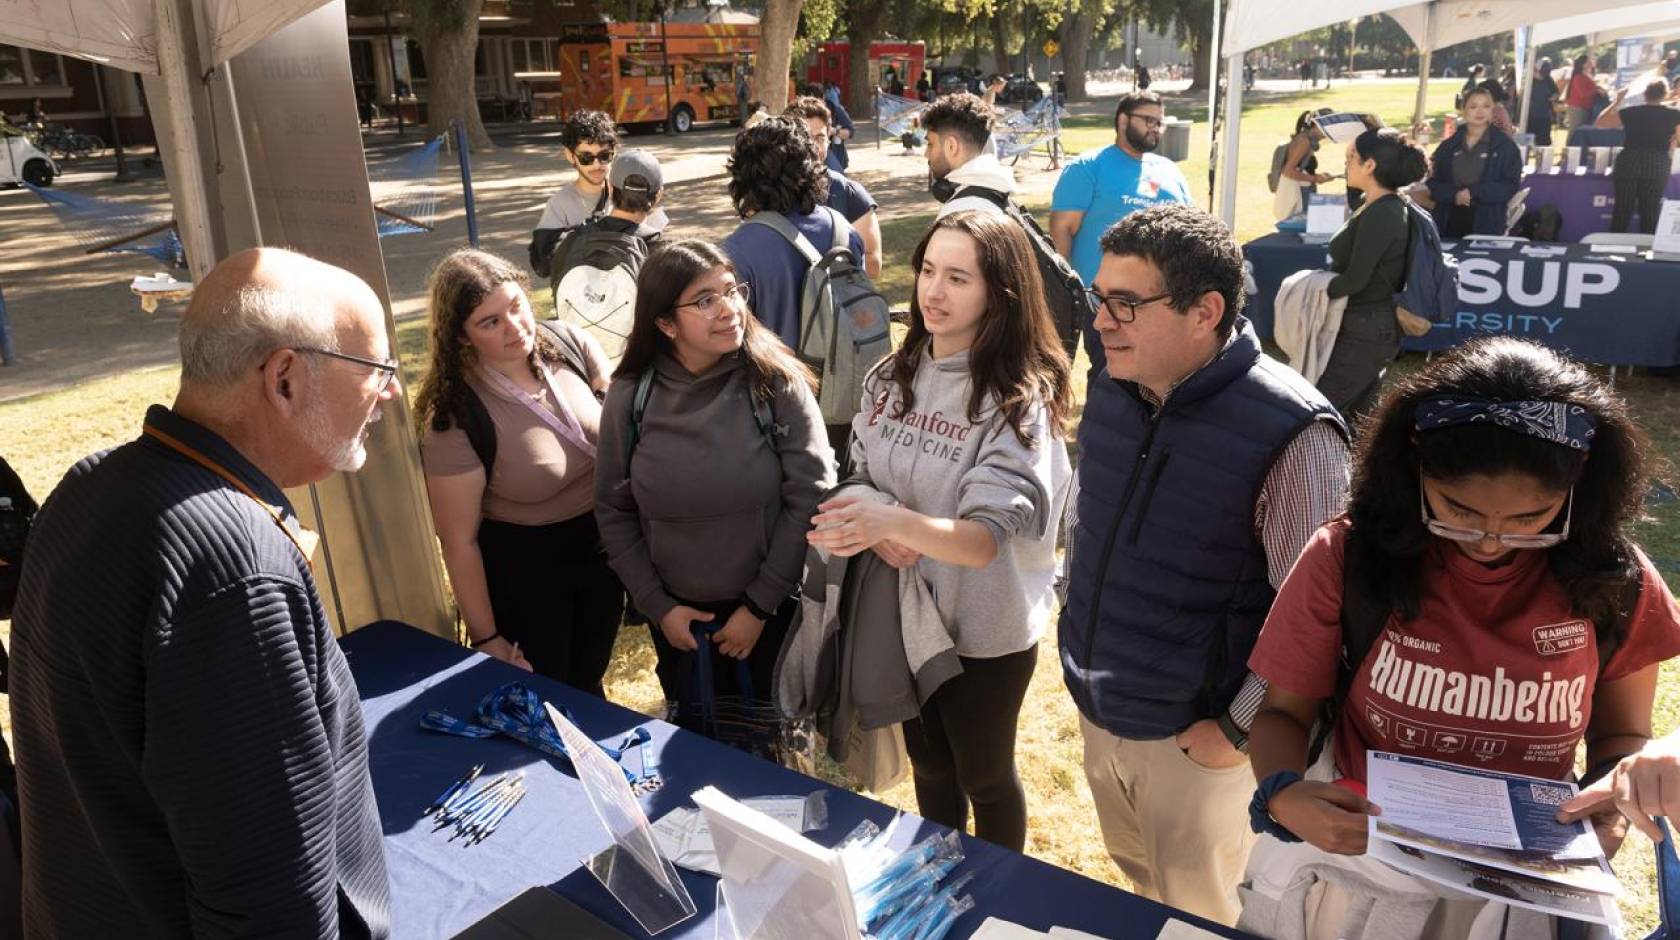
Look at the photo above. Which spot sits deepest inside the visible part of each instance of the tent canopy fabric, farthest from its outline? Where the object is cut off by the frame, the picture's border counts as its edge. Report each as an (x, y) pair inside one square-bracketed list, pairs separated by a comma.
[(1254, 23), (123, 33), (1647, 19)]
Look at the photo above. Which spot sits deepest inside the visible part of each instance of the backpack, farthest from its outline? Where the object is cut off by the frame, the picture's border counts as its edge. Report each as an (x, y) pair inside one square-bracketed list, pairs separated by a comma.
[(17, 514), (475, 418), (540, 251), (842, 319), (762, 416), (1429, 286), (594, 282), (1539, 225), (1064, 289), (1363, 618), (1280, 153)]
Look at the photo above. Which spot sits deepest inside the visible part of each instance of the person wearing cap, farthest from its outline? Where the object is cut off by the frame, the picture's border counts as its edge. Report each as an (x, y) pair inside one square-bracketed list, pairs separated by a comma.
[(634, 186)]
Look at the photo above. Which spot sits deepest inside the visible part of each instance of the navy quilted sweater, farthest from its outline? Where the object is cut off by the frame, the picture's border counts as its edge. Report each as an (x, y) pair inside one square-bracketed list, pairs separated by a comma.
[(189, 738)]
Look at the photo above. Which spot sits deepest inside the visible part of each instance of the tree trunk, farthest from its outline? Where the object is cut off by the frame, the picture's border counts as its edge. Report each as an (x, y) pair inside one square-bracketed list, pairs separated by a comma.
[(1202, 71), (1000, 41), (1074, 35), (775, 52), (450, 89), (864, 19)]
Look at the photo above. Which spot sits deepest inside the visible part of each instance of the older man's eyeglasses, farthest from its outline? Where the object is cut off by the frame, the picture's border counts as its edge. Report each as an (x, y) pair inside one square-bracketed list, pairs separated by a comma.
[(387, 370), (1122, 309), (710, 306)]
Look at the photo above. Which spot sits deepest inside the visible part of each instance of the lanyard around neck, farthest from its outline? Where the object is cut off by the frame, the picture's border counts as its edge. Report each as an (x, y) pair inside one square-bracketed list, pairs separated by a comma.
[(305, 540), (565, 423)]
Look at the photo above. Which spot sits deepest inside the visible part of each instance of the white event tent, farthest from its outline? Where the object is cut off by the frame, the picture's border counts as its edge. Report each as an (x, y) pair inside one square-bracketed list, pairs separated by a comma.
[(1434, 24)]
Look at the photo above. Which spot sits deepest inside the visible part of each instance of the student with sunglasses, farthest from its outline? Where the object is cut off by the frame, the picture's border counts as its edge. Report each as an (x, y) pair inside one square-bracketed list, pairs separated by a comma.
[(1510, 618)]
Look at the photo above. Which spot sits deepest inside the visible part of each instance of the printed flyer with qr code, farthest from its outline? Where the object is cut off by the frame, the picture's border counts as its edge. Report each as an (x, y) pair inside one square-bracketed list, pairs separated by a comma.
[(1489, 833)]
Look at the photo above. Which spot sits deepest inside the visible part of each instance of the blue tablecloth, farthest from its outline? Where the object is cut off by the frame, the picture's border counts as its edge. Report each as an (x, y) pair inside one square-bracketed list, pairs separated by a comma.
[(1584, 200), (1595, 307), (439, 888)]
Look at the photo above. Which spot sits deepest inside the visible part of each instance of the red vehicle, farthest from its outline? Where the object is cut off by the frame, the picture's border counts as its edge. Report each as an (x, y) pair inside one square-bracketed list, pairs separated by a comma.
[(832, 62)]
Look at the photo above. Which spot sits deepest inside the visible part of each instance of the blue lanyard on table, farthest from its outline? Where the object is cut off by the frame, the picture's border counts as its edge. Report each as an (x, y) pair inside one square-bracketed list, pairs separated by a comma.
[(517, 712)]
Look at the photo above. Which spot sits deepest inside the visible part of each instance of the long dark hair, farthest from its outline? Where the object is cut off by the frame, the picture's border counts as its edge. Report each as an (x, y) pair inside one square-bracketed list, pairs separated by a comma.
[(665, 275), (458, 284), (1017, 360), (1386, 537)]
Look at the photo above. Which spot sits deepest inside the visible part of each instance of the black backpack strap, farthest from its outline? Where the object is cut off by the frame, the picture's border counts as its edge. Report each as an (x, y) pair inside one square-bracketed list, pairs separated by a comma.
[(638, 408), (572, 353), (481, 432), (995, 197), (1363, 618)]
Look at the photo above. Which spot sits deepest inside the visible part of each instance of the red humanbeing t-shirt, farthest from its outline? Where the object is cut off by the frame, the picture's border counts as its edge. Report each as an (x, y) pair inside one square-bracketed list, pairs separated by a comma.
[(1494, 671)]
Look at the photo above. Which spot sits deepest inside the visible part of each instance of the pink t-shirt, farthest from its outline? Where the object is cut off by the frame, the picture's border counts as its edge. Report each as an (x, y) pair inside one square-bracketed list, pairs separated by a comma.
[(1495, 671)]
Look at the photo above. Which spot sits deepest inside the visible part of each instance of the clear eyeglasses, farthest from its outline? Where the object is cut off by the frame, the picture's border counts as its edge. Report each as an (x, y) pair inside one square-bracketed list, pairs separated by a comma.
[(1516, 540), (710, 306)]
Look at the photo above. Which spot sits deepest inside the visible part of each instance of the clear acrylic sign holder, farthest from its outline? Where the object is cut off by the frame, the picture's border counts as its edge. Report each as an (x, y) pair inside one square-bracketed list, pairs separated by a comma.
[(777, 884), (632, 869)]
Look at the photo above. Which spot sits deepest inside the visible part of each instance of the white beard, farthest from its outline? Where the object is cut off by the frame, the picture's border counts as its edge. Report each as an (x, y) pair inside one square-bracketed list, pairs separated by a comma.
[(346, 455)]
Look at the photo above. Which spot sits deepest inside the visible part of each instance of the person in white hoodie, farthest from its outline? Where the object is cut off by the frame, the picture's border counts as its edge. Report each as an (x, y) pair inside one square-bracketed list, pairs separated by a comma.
[(962, 429), (960, 155)]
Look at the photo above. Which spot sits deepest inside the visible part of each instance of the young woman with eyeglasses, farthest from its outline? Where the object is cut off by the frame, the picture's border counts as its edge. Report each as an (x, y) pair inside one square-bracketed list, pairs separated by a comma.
[(1514, 620), (508, 420), (713, 456)]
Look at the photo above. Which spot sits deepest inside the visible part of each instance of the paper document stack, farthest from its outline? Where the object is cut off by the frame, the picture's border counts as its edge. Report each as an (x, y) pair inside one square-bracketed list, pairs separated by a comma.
[(1490, 834)]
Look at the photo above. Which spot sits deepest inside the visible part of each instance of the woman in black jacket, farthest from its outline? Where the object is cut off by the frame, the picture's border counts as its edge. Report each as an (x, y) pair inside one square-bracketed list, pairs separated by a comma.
[(1542, 98), (1474, 173)]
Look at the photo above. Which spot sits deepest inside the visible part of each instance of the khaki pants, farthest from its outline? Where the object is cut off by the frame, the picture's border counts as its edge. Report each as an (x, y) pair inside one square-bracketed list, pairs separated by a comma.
[(1178, 830)]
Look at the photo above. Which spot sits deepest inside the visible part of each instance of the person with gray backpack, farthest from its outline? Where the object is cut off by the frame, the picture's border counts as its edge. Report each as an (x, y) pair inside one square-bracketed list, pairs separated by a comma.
[(595, 265), (802, 264)]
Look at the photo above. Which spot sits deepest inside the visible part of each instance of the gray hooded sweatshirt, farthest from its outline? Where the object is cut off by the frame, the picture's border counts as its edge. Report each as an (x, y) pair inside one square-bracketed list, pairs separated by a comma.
[(707, 508), (934, 460)]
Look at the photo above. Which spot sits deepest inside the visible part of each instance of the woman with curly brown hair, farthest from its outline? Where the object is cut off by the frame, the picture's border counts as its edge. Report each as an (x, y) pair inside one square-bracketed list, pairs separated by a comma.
[(509, 415)]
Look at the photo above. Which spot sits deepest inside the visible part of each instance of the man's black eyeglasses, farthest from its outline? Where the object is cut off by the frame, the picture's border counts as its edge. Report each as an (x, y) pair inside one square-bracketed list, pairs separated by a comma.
[(388, 368), (1114, 304), (589, 159)]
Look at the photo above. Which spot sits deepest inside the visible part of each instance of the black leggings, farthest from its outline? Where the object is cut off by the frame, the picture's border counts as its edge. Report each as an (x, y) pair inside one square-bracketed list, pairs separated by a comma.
[(554, 595), (962, 749), (1639, 178)]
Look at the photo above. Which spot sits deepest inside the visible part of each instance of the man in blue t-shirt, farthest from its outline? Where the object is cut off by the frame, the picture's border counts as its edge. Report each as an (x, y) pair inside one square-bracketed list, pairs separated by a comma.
[(1099, 188), (845, 195)]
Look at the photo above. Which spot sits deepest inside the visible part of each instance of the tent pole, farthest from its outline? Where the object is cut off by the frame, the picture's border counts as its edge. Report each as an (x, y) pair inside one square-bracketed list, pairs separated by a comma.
[(1233, 122), (179, 140), (1213, 100), (1525, 78), (1424, 55)]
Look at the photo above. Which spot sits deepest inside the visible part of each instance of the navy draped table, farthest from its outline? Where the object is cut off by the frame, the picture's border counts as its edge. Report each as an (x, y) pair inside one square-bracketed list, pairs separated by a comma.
[(1584, 201), (439, 888), (1613, 309)]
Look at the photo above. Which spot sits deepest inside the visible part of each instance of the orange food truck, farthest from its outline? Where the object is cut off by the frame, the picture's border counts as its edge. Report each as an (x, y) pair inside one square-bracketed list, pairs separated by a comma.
[(635, 71)]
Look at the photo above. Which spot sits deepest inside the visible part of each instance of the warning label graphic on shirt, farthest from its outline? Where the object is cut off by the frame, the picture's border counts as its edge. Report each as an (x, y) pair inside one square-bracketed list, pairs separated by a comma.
[(1559, 638)]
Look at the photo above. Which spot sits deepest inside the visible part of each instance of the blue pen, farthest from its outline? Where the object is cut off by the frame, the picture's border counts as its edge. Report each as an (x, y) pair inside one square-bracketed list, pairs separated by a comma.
[(465, 803), (498, 820), (475, 823), (454, 788)]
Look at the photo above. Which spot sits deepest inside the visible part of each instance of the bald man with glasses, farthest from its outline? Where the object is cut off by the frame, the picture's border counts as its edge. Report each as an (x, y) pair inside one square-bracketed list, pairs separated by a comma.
[(190, 750)]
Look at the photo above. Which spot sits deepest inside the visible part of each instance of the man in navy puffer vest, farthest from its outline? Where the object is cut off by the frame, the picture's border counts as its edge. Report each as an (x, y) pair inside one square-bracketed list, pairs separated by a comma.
[(1204, 467)]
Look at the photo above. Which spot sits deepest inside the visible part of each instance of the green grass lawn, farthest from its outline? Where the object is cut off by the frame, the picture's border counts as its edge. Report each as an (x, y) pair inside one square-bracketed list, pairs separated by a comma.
[(44, 435)]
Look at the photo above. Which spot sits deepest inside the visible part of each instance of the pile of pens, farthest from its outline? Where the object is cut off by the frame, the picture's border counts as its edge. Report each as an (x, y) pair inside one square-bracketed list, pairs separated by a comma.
[(475, 814)]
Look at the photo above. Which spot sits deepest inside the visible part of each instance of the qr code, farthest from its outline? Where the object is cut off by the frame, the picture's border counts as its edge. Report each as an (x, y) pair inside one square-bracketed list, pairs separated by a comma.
[(1548, 795)]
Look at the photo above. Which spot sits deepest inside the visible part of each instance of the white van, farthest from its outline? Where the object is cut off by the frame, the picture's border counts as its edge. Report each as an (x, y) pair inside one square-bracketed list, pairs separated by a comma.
[(22, 161)]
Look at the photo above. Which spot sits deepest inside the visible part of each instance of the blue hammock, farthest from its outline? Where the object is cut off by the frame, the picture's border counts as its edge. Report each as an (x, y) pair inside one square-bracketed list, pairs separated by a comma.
[(404, 189)]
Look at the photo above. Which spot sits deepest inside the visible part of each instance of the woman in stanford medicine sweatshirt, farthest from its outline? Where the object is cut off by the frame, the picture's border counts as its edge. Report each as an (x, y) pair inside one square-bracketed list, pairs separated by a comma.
[(704, 504), (962, 427)]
